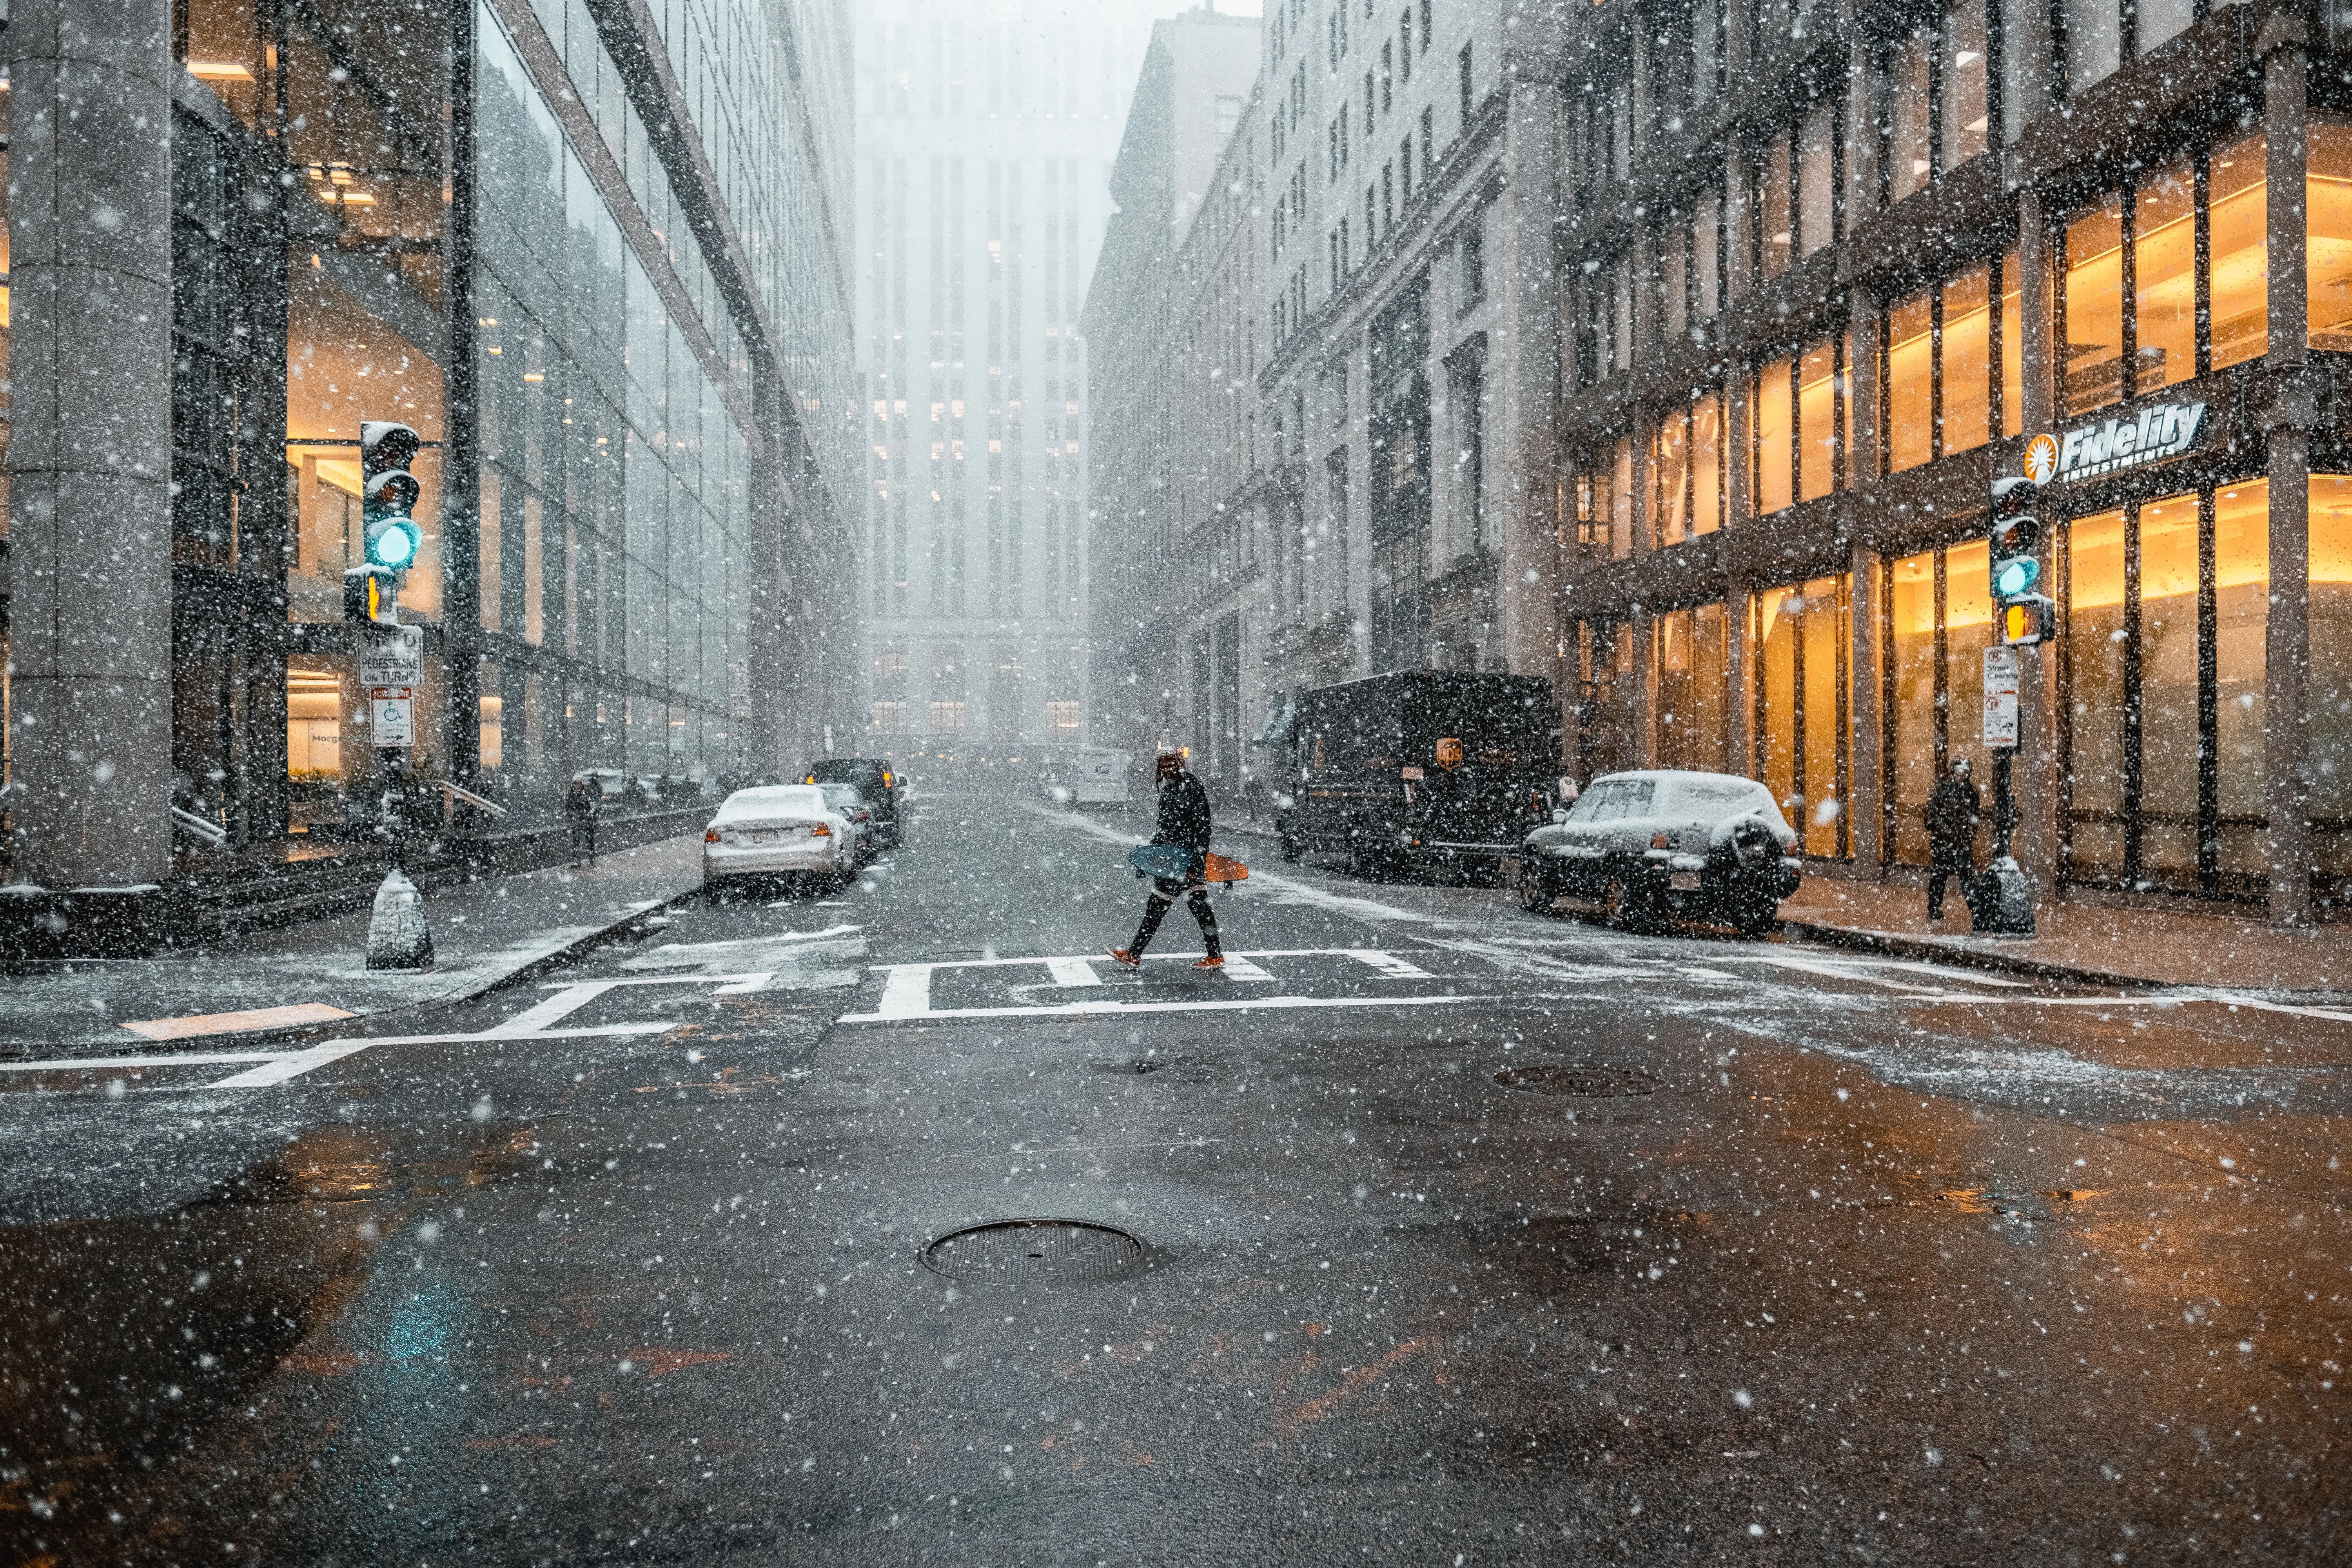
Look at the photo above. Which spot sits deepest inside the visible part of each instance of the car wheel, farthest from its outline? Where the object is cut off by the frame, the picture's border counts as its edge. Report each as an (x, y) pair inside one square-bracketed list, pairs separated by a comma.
[(1756, 918), (1626, 904), (1535, 890)]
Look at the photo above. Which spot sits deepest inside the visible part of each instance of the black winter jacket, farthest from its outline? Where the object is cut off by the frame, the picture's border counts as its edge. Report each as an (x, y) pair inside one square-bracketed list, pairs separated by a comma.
[(1183, 814), (1954, 809)]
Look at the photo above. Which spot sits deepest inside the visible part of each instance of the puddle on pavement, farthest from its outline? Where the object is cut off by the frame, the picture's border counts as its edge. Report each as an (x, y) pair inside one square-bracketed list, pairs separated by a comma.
[(135, 1339)]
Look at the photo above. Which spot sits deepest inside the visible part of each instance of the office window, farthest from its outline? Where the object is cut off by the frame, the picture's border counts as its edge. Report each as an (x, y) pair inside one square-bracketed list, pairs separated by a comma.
[(1817, 182), (1774, 450), (2120, 347), (1687, 471), (1938, 370), (1707, 256), (1772, 207), (1910, 112), (2327, 202), (1963, 96)]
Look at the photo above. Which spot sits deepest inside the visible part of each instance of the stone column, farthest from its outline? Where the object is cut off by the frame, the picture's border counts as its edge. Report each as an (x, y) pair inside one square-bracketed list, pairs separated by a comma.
[(1866, 793), (90, 513), (1524, 367), (2293, 414)]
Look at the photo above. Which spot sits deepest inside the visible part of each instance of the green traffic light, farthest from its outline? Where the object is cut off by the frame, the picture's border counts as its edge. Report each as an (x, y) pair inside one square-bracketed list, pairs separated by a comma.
[(392, 542), (2017, 576)]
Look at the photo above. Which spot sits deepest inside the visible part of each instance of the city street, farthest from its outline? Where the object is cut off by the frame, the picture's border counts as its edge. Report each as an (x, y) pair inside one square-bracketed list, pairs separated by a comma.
[(1437, 1232)]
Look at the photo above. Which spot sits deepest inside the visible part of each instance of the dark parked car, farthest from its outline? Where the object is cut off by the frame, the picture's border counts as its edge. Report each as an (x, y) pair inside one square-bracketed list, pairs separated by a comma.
[(1650, 845), (851, 801), (877, 780), (1419, 767)]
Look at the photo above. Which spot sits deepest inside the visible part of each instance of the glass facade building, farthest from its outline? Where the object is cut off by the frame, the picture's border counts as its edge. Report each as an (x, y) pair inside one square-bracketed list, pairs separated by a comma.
[(587, 252), (1968, 231)]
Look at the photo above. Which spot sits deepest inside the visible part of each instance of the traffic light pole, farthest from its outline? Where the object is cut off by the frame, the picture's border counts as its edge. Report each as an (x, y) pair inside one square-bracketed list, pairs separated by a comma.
[(2004, 903)]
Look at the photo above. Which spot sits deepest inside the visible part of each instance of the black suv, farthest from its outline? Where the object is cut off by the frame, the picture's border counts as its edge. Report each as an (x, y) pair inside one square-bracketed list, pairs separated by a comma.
[(876, 780)]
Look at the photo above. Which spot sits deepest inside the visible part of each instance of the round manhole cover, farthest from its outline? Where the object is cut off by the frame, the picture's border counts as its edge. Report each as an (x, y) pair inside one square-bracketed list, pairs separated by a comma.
[(1017, 1251), (1593, 1083)]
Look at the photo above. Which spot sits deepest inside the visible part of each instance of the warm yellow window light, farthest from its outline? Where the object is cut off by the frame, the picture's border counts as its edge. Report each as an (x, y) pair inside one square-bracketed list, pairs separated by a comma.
[(219, 70)]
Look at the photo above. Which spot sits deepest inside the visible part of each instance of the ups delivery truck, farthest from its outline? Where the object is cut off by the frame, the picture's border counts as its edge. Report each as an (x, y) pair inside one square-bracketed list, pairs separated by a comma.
[(1420, 768)]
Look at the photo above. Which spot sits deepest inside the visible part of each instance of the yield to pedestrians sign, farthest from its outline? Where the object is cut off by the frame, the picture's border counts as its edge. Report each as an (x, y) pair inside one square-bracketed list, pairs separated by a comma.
[(392, 715)]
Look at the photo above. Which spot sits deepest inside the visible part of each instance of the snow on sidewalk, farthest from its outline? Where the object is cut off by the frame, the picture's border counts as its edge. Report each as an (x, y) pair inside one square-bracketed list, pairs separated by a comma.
[(485, 934)]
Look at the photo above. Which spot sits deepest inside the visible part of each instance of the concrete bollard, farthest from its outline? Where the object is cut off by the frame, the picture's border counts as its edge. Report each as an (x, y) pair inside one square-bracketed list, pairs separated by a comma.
[(398, 935)]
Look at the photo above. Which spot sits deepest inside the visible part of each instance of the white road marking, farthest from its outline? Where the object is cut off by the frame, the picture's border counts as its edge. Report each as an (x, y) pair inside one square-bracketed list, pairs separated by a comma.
[(1389, 965), (537, 1022), (1092, 1148), (1073, 972), (907, 993), (96, 1064), (906, 988), (1081, 1009)]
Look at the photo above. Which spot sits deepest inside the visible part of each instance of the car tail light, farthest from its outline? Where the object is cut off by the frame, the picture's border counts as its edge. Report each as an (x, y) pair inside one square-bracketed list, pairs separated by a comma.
[(1661, 841), (710, 836), (819, 830)]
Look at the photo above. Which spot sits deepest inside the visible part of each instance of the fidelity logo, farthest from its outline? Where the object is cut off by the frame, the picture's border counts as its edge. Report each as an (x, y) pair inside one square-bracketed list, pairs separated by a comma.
[(2088, 451)]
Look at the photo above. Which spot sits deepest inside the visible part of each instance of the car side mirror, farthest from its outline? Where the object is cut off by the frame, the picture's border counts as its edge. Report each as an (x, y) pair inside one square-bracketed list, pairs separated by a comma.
[(1560, 814)]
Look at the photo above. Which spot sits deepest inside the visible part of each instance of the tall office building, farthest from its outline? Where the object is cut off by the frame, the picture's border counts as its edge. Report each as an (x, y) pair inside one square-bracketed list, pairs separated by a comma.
[(586, 249), (983, 149)]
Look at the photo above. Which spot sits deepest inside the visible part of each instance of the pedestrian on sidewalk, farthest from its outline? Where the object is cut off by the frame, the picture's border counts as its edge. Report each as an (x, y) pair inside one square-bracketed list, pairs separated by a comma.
[(581, 802), (1954, 809), (1184, 822)]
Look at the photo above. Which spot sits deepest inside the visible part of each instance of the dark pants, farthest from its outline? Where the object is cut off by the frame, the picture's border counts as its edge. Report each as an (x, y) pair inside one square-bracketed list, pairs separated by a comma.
[(583, 837), (1956, 864), (1155, 909)]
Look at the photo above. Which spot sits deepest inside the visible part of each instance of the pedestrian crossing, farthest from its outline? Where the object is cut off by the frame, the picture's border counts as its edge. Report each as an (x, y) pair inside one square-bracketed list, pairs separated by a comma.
[(1041, 986)]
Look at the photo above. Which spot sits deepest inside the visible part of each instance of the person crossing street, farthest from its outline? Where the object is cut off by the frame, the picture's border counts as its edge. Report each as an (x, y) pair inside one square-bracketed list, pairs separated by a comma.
[(1183, 823)]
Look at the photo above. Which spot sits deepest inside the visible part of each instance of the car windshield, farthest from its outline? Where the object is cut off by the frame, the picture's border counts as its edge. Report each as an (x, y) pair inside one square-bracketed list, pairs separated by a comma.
[(1612, 799), (842, 797), (782, 800)]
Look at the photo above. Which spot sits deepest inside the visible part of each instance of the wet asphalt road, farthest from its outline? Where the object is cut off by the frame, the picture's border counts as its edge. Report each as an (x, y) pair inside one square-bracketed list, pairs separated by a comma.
[(1751, 1252)]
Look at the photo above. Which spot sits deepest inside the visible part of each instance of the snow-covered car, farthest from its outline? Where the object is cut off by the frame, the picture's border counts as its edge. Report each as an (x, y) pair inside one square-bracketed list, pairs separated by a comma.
[(851, 803), (1648, 845), (778, 829)]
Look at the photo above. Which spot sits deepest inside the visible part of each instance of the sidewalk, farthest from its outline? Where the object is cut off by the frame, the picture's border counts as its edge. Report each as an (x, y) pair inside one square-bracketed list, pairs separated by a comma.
[(485, 934), (2089, 943), (2081, 942)]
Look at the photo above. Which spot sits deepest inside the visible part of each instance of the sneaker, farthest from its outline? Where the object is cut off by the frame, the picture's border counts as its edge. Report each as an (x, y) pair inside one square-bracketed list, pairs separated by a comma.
[(1129, 959), (1214, 961)]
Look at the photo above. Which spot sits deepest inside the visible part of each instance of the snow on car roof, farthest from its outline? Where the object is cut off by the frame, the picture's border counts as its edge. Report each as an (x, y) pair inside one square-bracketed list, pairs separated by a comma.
[(772, 797)]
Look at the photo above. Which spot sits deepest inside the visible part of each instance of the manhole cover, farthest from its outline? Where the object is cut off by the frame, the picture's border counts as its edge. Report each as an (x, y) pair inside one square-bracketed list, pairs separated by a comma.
[(1594, 1083), (1017, 1251)]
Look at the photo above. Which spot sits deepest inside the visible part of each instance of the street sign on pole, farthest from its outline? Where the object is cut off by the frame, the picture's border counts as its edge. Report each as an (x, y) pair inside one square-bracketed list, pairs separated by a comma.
[(2001, 680), (392, 716), (397, 659)]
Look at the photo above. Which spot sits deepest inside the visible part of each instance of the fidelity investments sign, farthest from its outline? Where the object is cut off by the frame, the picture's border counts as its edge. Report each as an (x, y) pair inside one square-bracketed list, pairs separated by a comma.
[(2088, 451)]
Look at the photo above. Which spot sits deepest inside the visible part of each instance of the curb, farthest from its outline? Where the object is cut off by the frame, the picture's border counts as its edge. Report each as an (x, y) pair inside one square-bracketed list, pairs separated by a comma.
[(1965, 957)]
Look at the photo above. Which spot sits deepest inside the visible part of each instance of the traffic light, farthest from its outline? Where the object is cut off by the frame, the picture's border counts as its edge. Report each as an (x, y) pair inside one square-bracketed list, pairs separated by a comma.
[(388, 494), (370, 593), (2015, 568)]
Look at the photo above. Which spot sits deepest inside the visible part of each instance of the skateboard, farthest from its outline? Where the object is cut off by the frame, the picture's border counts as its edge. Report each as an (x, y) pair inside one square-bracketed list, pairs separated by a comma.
[(1174, 863)]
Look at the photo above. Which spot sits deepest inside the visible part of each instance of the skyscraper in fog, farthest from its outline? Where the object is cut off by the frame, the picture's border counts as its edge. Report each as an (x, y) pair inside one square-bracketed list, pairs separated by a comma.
[(985, 133)]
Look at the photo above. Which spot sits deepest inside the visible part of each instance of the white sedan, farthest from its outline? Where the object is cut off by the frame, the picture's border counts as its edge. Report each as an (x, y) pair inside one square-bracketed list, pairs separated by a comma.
[(775, 829)]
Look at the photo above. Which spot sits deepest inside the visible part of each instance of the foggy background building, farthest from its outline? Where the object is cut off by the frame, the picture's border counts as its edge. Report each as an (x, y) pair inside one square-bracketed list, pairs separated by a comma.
[(983, 147)]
